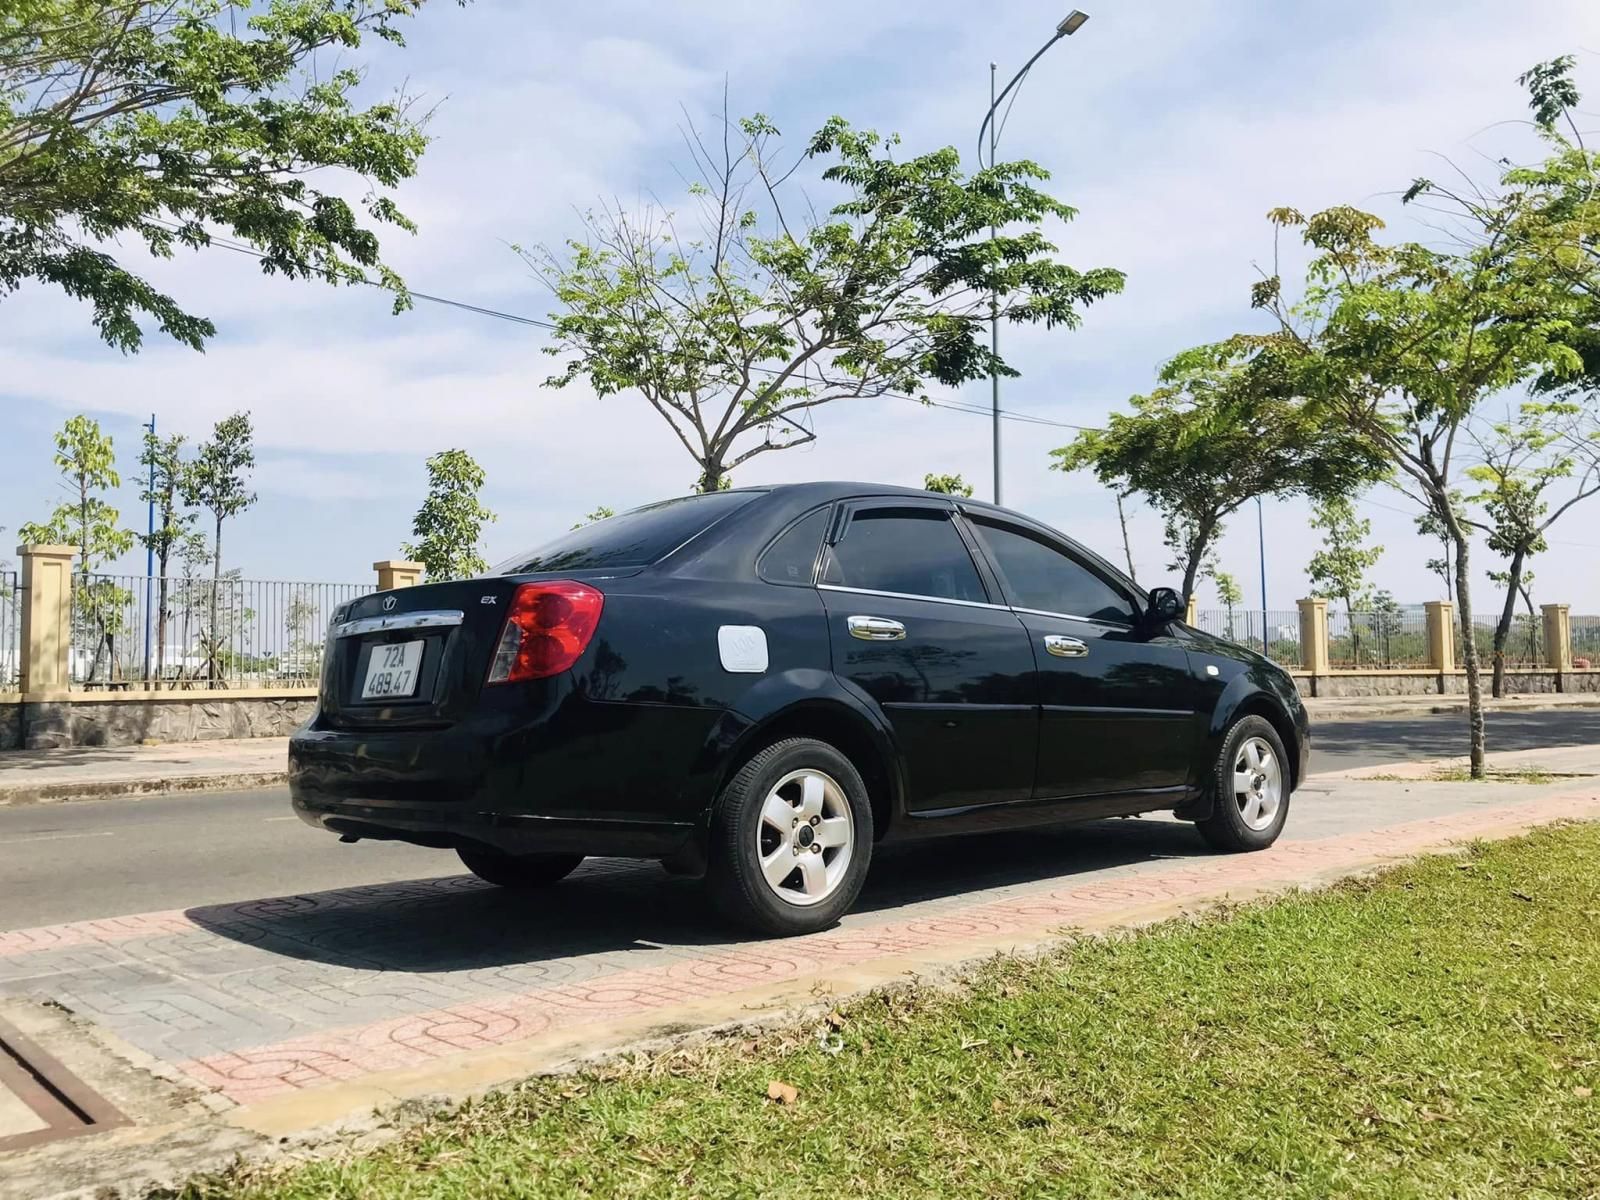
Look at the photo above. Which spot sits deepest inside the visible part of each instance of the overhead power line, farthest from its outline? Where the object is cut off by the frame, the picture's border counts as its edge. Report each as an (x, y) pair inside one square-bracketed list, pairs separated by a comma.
[(535, 322)]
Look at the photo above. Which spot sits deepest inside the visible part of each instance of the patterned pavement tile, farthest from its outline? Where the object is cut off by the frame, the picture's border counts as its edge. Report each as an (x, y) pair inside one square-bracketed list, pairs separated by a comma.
[(275, 994)]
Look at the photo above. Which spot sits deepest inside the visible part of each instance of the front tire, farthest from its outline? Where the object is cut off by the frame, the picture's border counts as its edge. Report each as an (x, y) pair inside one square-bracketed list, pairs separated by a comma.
[(1250, 788), (791, 838), (523, 872)]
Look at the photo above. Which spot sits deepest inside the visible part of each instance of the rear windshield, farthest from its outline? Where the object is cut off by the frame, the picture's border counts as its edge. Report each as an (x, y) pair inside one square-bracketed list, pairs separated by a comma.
[(631, 539)]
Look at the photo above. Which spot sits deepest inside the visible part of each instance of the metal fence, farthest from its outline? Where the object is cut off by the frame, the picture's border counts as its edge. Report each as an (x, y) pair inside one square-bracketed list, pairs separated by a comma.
[(1380, 639), (1524, 641), (1282, 643), (196, 633), (10, 631), (1585, 640)]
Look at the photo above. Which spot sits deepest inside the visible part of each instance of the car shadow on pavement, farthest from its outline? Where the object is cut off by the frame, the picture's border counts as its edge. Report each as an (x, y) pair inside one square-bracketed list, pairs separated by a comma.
[(457, 923)]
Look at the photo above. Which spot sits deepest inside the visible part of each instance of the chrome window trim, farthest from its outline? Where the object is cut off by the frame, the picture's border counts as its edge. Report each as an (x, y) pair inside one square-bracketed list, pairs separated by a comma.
[(1042, 612), (434, 618), (836, 587)]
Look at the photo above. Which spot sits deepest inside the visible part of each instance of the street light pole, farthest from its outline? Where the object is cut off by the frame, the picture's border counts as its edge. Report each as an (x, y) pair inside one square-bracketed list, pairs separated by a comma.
[(1261, 541), (1068, 25)]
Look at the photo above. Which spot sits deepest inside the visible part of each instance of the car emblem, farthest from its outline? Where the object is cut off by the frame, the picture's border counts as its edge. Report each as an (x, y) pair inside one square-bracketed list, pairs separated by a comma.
[(489, 600), (388, 604)]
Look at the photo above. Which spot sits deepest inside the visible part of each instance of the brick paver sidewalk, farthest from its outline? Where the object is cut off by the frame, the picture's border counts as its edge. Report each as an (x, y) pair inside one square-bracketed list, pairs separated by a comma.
[(269, 996)]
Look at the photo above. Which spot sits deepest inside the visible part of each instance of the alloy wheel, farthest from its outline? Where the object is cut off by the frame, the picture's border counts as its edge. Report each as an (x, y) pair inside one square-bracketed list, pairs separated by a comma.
[(1257, 782), (805, 837)]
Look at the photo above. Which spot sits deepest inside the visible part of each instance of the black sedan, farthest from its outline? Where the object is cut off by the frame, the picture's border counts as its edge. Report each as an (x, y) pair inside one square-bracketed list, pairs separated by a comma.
[(758, 686)]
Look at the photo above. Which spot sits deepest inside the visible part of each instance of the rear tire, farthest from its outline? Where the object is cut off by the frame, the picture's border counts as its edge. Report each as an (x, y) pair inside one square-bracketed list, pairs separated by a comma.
[(791, 839), (524, 872), (1249, 788)]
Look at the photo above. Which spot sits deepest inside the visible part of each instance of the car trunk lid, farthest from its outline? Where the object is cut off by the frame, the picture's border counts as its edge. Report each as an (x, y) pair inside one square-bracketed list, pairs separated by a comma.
[(418, 656)]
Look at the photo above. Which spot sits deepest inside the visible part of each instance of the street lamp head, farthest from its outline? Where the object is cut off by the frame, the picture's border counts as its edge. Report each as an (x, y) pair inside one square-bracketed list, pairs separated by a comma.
[(1071, 23)]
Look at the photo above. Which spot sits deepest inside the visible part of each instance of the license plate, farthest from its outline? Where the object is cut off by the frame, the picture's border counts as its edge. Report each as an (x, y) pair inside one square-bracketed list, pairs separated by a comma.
[(392, 671)]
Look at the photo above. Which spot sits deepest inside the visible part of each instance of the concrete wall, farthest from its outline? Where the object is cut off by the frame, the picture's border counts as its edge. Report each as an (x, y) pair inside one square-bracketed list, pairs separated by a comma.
[(1355, 684), (126, 718)]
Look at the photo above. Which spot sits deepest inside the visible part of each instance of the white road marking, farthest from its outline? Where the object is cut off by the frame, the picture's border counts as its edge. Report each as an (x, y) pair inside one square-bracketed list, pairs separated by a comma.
[(289, 818), (53, 837)]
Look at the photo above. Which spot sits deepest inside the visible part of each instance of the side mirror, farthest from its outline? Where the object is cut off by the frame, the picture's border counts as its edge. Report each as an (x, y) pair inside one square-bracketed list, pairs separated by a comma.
[(1164, 605)]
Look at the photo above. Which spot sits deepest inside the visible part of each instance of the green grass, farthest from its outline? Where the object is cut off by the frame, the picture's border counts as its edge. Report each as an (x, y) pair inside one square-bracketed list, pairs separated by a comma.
[(1433, 1032)]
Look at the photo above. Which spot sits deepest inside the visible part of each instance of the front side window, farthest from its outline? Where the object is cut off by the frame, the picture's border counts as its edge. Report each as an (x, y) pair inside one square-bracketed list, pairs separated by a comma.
[(913, 551), (1039, 575)]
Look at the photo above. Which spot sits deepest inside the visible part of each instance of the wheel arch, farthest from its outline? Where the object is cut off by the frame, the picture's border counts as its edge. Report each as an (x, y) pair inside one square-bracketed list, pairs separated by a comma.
[(867, 745), (1259, 703)]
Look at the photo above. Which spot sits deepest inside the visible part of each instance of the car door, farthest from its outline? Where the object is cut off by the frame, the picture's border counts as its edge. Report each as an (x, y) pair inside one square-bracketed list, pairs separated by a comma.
[(1118, 700), (912, 624)]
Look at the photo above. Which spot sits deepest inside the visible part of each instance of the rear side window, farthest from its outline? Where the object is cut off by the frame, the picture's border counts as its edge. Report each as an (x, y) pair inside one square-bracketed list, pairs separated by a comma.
[(915, 551), (1040, 576), (792, 558), (631, 539)]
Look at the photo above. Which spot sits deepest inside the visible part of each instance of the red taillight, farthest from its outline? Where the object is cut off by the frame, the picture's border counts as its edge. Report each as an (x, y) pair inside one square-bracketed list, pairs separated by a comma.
[(548, 627)]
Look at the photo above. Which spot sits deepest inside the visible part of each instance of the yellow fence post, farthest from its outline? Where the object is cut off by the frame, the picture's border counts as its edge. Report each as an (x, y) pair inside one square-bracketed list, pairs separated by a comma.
[(1314, 635), (1441, 621), (1558, 641), (397, 573), (46, 620)]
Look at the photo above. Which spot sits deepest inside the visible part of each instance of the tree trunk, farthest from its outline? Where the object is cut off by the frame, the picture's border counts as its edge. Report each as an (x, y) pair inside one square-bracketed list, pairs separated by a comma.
[(711, 476), (1355, 638), (1469, 658), (1127, 549), (216, 587), (1502, 629)]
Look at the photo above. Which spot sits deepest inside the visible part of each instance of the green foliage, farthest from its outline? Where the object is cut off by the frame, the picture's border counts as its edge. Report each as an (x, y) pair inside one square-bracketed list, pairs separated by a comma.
[(1213, 436), (218, 478), (599, 514), (736, 320), (950, 485), (217, 481), (158, 124), (162, 485), (1338, 571), (449, 525), (87, 460)]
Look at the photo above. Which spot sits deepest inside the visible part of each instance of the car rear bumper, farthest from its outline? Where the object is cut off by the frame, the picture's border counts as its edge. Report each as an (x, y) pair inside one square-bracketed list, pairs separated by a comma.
[(514, 788)]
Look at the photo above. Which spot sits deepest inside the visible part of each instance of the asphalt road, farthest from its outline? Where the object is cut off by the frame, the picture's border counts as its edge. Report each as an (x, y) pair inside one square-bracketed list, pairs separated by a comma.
[(89, 859)]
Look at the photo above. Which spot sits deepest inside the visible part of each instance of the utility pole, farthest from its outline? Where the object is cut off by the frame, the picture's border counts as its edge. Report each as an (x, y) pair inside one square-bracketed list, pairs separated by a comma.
[(1068, 25)]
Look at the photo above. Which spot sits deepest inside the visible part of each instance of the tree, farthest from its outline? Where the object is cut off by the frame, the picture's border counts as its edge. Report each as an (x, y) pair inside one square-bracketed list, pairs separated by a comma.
[(217, 481), (1230, 594), (162, 459), (1386, 623), (304, 658), (1400, 345), (87, 458), (1521, 460), (449, 525), (599, 514), (736, 323), (949, 485), (1338, 571), (159, 124), (1208, 440)]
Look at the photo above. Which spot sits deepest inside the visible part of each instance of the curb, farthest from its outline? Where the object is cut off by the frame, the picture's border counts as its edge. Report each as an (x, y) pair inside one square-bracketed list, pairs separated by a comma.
[(234, 781)]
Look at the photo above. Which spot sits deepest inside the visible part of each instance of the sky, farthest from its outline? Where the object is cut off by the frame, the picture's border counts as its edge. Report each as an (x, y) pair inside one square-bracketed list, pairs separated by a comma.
[(1171, 127)]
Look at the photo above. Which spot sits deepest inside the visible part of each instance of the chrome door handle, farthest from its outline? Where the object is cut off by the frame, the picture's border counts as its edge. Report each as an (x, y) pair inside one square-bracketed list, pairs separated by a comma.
[(876, 629), (1066, 647)]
